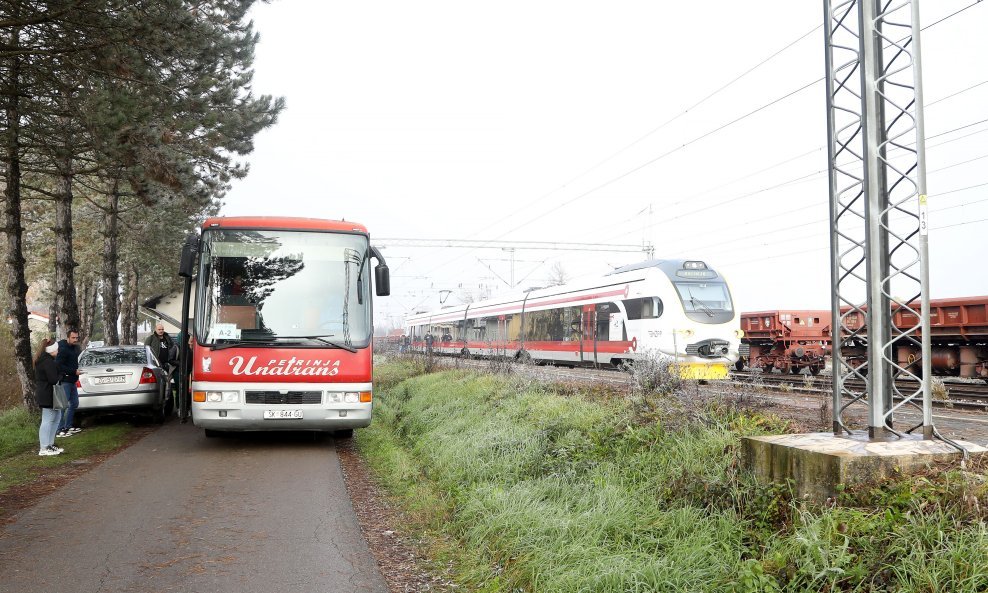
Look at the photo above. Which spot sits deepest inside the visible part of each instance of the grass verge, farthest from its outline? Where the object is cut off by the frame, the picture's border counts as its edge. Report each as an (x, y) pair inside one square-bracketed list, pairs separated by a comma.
[(528, 486), (19, 460)]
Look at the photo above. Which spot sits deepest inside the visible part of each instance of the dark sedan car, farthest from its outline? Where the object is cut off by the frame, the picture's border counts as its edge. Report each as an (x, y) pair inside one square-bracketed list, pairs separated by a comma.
[(123, 378)]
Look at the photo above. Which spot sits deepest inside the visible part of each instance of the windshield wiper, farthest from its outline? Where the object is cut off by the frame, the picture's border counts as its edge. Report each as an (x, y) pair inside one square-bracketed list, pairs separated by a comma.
[(700, 304), (238, 343), (323, 339)]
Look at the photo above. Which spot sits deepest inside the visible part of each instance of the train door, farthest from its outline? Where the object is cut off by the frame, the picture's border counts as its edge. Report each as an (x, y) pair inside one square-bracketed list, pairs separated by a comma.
[(501, 340), (588, 335)]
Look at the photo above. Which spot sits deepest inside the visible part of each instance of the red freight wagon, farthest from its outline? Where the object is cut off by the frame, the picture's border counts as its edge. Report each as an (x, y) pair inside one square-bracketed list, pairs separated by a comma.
[(786, 340), (958, 336)]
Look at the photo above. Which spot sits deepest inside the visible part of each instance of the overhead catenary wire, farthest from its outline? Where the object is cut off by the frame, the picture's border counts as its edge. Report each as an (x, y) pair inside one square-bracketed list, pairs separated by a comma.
[(570, 201), (698, 138), (794, 180), (653, 131)]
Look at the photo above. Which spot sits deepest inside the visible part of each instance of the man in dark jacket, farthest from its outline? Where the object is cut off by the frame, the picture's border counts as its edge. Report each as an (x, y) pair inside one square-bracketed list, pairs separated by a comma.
[(162, 346), (165, 350), (67, 362)]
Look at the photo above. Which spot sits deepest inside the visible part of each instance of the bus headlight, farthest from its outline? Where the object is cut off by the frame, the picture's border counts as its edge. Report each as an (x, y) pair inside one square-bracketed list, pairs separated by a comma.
[(349, 397), (229, 397)]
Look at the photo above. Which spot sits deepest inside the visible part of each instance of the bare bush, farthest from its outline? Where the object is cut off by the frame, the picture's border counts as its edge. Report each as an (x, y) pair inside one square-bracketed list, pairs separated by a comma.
[(654, 374), (657, 385), (940, 391), (826, 409)]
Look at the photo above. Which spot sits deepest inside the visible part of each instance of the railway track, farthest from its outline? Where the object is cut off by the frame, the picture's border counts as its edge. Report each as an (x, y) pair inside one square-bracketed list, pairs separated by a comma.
[(959, 394), (955, 418)]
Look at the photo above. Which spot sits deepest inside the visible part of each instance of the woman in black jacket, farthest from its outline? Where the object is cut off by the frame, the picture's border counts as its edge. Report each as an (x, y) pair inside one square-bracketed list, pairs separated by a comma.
[(46, 377)]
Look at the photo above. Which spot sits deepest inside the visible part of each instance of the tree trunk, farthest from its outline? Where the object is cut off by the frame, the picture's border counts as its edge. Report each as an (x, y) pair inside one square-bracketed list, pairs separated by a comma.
[(65, 296), (131, 294), (91, 308), (87, 308), (13, 228), (111, 278), (53, 317), (128, 310)]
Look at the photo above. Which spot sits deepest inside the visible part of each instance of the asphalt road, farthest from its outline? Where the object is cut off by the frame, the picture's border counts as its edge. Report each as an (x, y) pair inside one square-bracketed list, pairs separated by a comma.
[(178, 512)]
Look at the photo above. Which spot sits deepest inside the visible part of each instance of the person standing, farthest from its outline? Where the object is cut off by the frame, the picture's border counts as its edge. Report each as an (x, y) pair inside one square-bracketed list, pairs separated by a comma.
[(162, 346), (165, 350), (46, 378), (68, 365)]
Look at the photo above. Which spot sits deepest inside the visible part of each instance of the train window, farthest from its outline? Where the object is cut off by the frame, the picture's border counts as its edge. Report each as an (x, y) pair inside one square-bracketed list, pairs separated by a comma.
[(644, 308), (536, 327), (512, 327), (572, 318)]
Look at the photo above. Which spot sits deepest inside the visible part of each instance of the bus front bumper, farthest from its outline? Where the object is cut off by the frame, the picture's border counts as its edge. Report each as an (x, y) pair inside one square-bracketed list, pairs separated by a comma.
[(217, 417)]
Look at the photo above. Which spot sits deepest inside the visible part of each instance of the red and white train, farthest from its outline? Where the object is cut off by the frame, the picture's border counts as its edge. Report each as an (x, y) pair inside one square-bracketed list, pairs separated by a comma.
[(676, 310)]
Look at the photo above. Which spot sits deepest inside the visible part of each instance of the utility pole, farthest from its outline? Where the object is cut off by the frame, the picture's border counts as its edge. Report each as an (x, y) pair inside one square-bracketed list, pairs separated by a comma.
[(511, 251), (879, 270)]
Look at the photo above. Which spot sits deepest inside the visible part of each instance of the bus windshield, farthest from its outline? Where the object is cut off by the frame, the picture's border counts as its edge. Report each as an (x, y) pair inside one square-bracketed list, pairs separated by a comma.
[(280, 287)]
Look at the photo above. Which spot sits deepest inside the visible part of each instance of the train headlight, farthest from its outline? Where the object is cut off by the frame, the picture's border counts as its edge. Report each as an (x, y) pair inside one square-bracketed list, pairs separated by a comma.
[(739, 333)]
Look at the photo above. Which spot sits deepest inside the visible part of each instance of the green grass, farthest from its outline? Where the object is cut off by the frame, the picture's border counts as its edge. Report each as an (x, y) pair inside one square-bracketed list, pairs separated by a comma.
[(19, 460), (522, 486)]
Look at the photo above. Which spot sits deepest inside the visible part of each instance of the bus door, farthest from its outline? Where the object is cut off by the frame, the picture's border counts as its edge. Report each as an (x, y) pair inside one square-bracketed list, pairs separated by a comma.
[(588, 335)]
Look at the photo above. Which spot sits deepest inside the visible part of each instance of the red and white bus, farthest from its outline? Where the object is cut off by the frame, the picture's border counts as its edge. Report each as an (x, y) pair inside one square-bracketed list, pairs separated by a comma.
[(282, 324)]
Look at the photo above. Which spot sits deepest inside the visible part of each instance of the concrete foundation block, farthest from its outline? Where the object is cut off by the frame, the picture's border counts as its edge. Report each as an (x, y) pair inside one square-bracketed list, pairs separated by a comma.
[(820, 462)]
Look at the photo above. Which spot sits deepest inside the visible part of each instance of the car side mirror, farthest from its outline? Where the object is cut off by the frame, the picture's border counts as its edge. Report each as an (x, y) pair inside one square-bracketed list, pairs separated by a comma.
[(382, 280), (187, 266)]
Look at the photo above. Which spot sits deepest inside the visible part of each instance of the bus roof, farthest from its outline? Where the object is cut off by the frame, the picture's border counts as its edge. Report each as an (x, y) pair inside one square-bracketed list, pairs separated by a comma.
[(283, 223)]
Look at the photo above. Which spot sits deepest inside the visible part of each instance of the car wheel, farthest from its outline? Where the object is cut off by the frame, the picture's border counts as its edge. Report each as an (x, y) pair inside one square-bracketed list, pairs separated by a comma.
[(158, 415)]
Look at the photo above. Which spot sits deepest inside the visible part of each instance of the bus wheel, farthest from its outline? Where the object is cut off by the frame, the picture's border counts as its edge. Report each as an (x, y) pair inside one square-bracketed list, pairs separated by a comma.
[(344, 434)]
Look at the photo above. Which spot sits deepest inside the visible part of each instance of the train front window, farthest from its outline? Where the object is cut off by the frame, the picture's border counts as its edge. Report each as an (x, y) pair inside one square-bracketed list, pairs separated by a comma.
[(706, 302), (283, 286)]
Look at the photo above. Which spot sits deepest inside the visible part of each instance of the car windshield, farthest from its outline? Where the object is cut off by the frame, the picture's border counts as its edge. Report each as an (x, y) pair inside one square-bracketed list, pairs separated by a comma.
[(280, 286), (113, 356)]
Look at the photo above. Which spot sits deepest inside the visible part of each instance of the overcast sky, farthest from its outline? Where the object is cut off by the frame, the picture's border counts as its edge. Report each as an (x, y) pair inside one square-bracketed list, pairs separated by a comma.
[(578, 121)]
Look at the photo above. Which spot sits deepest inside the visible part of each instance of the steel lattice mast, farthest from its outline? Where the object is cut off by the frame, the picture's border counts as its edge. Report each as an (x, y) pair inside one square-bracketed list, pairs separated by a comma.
[(878, 244)]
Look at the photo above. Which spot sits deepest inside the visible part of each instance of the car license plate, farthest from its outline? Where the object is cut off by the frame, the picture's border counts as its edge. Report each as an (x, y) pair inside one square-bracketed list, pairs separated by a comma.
[(109, 379), (282, 414)]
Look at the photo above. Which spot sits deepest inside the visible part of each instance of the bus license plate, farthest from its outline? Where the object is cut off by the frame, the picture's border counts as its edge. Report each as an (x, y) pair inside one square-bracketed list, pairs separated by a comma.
[(282, 414)]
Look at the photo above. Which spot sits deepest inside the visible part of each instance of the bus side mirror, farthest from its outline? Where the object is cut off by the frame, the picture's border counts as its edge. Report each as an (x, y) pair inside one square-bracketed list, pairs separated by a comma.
[(187, 266), (382, 280)]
